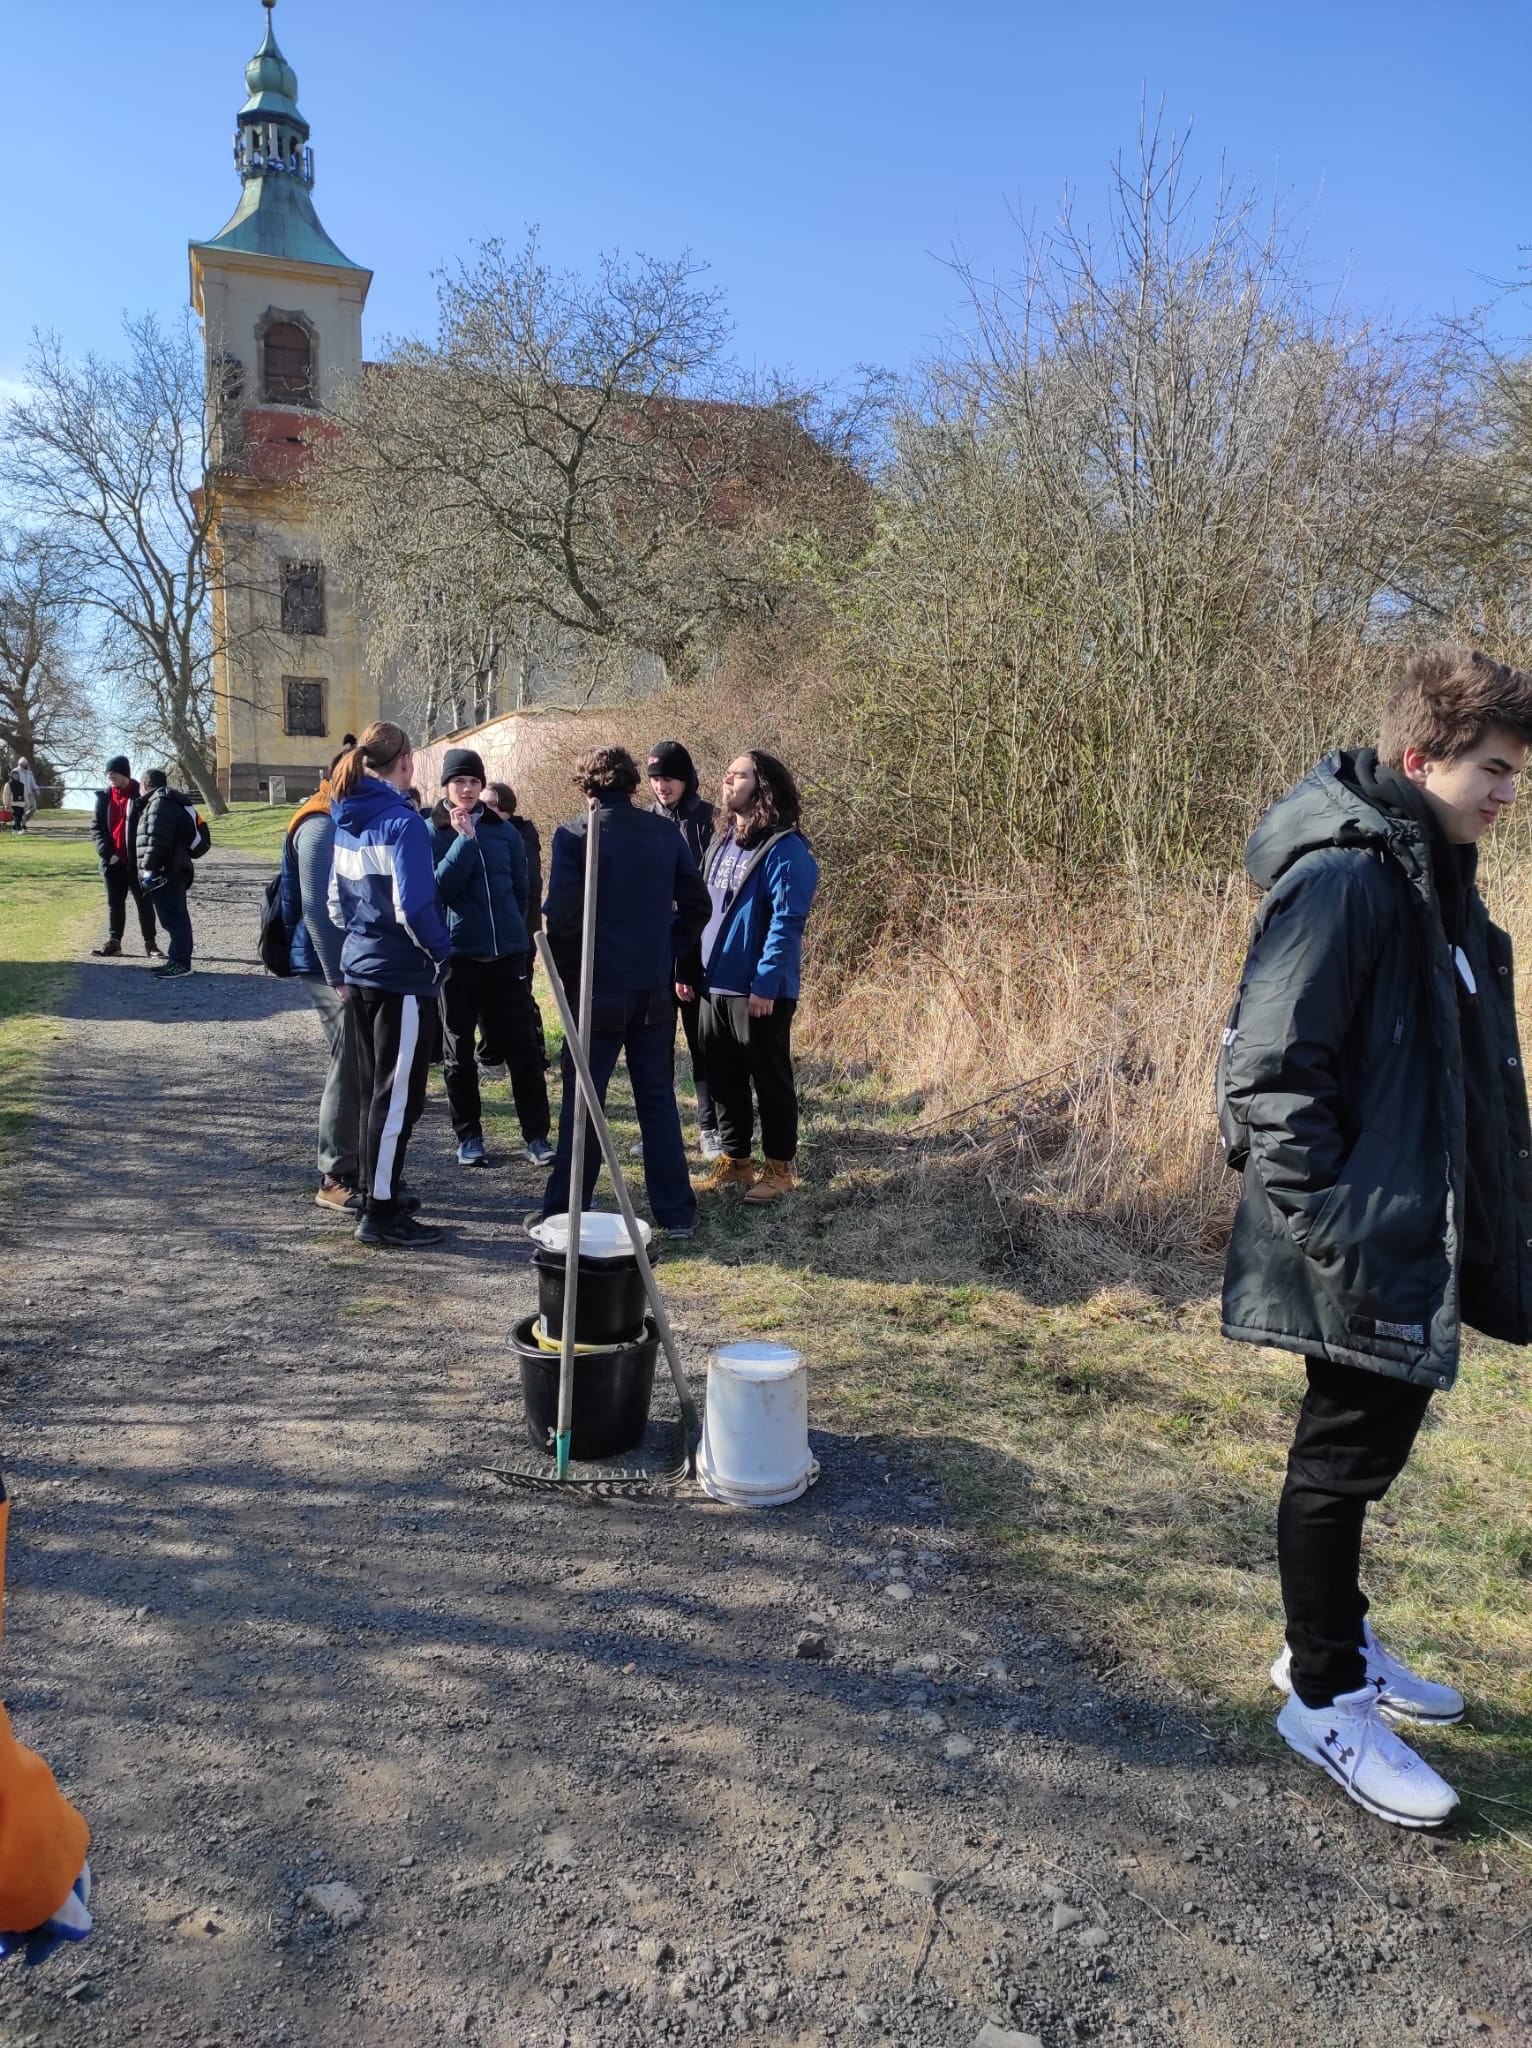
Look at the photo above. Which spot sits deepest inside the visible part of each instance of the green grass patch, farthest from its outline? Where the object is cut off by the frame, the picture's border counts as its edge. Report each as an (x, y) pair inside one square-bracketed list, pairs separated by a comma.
[(51, 903), (252, 828), (1122, 1459)]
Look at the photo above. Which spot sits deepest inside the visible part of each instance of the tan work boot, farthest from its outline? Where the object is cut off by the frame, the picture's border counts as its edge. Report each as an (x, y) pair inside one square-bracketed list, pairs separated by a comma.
[(728, 1173), (776, 1180)]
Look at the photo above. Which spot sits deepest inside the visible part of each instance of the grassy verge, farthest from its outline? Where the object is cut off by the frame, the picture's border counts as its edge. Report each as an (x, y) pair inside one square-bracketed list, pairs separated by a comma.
[(252, 828), (1124, 1460), (50, 905)]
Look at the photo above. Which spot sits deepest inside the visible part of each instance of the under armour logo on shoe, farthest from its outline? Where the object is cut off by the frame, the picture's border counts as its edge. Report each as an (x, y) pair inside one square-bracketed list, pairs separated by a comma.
[(1342, 1750)]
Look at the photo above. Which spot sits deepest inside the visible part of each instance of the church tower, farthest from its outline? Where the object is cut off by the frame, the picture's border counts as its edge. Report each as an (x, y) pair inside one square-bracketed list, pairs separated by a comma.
[(281, 309)]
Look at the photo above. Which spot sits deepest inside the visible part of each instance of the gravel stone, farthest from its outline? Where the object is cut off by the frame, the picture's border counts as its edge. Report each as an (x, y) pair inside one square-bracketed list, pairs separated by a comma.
[(338, 1902)]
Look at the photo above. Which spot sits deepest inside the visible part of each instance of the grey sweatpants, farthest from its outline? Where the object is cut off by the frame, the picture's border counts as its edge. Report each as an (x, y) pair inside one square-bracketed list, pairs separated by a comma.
[(340, 1107)]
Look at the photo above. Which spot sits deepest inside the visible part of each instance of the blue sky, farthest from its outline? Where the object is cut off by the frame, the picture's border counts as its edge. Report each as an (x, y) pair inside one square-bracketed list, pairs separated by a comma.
[(824, 159)]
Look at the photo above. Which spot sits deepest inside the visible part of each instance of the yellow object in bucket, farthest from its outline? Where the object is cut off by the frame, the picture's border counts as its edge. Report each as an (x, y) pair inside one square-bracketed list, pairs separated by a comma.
[(547, 1343)]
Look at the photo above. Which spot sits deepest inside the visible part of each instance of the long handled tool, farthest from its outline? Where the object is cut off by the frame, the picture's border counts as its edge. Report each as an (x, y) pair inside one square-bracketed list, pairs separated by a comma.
[(577, 1037), (691, 1423)]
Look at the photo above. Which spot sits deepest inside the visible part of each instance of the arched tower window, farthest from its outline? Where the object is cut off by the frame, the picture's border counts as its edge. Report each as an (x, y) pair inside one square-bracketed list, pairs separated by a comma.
[(287, 364)]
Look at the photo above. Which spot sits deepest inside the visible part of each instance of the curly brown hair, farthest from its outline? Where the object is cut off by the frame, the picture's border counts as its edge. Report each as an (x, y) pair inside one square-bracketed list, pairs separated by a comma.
[(606, 771), (1449, 699)]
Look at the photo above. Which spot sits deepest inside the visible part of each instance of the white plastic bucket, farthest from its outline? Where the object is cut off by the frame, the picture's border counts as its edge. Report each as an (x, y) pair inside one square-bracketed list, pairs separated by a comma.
[(755, 1429), (602, 1235)]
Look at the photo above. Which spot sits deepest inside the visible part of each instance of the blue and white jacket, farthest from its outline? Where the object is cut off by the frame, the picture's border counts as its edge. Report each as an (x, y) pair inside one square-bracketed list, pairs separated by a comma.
[(383, 893), (753, 945)]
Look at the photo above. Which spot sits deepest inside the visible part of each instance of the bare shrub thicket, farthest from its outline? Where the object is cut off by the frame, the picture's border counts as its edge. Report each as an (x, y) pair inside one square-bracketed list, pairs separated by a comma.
[(1146, 536), (571, 477)]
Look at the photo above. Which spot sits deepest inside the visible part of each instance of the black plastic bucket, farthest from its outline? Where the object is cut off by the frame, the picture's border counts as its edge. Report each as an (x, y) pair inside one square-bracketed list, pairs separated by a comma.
[(612, 1390), (610, 1307)]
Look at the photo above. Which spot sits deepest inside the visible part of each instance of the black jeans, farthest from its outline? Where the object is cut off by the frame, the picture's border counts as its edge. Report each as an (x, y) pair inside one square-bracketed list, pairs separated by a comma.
[(691, 1024), (121, 883), (643, 1029), (393, 1054), (741, 1052), (494, 996), (1354, 1436), (169, 901)]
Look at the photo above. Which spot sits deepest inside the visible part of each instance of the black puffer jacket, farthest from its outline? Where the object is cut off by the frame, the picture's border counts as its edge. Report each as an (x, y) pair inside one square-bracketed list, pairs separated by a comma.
[(694, 815), (162, 831), (532, 847), (1341, 1090)]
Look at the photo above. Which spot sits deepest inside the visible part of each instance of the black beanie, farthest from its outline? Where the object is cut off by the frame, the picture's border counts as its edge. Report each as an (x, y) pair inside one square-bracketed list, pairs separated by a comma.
[(118, 765), (462, 761), (670, 758)]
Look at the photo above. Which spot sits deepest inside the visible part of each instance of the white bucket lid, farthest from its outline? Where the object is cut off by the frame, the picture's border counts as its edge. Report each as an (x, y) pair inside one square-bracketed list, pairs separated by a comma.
[(603, 1235), (755, 1361)]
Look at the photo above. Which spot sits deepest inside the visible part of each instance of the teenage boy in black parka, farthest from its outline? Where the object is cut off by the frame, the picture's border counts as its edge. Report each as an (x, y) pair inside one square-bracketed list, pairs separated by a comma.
[(1371, 1090), (673, 783)]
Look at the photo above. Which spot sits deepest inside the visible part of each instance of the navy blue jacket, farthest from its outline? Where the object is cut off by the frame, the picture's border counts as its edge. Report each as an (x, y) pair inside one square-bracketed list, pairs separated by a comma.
[(483, 883), (383, 893), (754, 940), (651, 904)]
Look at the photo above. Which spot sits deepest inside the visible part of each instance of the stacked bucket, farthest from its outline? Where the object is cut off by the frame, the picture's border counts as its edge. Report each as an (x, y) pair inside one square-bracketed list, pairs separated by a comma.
[(616, 1342)]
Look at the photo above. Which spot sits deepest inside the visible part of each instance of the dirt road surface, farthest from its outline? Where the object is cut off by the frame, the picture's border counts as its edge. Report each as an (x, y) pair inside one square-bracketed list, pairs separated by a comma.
[(277, 1629)]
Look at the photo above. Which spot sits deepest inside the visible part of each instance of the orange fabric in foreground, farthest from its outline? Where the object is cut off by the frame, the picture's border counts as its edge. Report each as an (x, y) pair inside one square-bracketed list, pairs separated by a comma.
[(42, 1839)]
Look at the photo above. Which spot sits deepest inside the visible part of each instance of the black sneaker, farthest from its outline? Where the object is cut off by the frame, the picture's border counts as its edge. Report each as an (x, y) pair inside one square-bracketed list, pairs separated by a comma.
[(399, 1233), (105, 952), (170, 969)]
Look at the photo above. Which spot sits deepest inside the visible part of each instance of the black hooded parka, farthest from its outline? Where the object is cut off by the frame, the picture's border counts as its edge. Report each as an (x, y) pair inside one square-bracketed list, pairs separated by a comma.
[(1341, 1091)]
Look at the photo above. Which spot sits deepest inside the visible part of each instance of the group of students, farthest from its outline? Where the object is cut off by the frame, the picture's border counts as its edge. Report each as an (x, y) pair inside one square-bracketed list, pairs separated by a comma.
[(146, 838), (412, 931)]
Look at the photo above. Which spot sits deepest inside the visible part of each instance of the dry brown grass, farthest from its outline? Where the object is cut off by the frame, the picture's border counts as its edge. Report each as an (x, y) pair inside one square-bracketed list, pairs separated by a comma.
[(1097, 1019)]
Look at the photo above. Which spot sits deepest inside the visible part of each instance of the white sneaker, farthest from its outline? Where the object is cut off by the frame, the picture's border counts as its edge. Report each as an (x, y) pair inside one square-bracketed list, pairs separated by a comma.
[(1402, 1696), (1353, 1743), (710, 1145)]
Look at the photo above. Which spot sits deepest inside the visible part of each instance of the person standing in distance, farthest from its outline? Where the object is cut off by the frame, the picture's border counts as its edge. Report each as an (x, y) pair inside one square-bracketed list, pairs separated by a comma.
[(163, 836), (109, 833), (761, 879), (394, 958), (1370, 1089), (673, 783), (493, 1063), (650, 906), (481, 871)]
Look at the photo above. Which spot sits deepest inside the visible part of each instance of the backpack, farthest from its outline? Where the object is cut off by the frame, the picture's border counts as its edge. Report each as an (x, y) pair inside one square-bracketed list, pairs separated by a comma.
[(202, 838), (275, 944)]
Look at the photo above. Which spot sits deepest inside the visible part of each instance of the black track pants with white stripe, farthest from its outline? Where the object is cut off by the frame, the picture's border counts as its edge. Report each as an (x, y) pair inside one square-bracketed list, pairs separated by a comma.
[(393, 1053)]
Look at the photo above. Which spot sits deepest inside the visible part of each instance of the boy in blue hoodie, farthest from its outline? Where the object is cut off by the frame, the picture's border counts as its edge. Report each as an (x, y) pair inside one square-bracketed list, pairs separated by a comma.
[(394, 959)]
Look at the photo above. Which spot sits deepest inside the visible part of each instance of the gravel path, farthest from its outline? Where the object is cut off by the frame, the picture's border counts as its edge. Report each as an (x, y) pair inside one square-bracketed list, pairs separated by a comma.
[(276, 1629)]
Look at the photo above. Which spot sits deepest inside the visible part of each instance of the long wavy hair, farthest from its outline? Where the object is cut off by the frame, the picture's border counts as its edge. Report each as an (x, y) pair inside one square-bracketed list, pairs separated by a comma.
[(378, 749), (776, 805)]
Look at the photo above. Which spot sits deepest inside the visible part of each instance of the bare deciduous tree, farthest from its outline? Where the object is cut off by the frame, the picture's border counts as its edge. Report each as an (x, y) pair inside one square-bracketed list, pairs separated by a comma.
[(110, 457), (45, 711), (569, 476)]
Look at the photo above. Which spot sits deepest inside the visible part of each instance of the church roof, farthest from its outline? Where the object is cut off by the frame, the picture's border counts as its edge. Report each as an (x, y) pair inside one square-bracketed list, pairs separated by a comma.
[(276, 217)]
